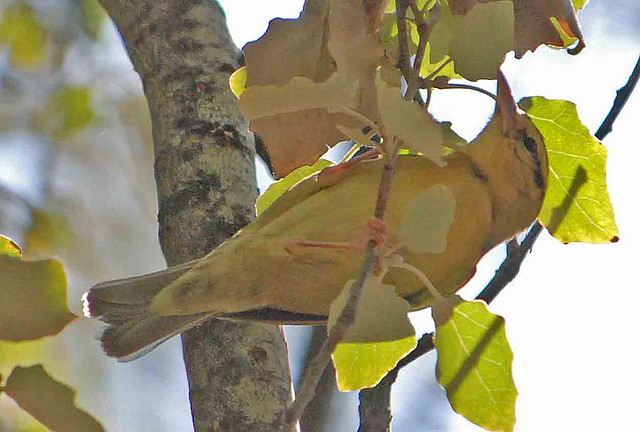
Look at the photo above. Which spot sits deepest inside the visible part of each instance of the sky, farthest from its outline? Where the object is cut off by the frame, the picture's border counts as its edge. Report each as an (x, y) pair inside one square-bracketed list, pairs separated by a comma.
[(571, 313)]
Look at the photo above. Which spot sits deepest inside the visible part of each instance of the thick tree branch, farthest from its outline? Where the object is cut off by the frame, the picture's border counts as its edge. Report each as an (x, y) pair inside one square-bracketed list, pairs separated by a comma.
[(238, 373)]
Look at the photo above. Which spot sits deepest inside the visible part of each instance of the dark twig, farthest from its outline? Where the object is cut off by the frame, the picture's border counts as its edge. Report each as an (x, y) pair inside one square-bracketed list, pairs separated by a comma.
[(347, 316), (403, 41), (622, 96)]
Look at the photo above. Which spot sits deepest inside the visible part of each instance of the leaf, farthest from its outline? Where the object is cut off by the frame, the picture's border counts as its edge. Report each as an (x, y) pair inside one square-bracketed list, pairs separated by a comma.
[(48, 401), (589, 216), (74, 105), (291, 47), (409, 122), (481, 39), (8, 247), (427, 219), (356, 48), (534, 25), (298, 49), (534, 22), (238, 81), (67, 110), (48, 234), (378, 339), (299, 138), (297, 95), (33, 299), (92, 16), (21, 30), (474, 363), (283, 185)]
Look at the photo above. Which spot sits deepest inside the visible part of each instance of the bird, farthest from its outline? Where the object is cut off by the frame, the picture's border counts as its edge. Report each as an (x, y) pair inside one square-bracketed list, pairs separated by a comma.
[(268, 273)]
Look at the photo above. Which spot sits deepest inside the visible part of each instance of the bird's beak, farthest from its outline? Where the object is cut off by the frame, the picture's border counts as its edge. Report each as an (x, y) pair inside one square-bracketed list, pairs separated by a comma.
[(506, 106)]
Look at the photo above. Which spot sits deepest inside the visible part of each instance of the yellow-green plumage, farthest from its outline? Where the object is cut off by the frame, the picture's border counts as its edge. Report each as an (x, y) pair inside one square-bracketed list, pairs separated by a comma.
[(262, 274)]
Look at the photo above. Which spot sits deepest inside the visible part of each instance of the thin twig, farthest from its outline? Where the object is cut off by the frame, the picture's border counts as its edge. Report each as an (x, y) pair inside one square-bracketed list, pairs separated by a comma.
[(347, 316), (403, 41), (424, 30), (426, 84), (622, 96)]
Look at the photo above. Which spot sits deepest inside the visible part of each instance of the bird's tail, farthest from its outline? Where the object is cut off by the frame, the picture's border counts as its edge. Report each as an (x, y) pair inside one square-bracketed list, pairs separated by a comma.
[(133, 329)]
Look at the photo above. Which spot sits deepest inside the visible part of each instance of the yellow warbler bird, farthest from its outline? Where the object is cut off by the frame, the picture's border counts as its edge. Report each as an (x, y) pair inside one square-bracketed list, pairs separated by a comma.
[(266, 273)]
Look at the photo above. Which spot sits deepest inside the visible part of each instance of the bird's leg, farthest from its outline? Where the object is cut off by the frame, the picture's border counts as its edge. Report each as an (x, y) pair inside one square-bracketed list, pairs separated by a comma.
[(376, 231), (333, 174)]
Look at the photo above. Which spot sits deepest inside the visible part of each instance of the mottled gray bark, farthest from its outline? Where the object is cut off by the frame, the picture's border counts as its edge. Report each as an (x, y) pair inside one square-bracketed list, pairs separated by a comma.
[(238, 373)]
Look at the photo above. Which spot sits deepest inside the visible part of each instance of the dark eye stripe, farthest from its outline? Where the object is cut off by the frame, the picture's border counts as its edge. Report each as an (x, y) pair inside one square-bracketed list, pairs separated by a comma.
[(532, 147), (530, 144)]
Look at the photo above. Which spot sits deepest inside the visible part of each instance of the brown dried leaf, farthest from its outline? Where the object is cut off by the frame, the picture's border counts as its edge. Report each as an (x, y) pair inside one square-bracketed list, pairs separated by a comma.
[(356, 48), (299, 138), (48, 401), (534, 26), (291, 48)]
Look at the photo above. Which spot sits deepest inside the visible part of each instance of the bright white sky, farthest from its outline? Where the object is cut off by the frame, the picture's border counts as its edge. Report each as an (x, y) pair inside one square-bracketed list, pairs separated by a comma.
[(572, 312)]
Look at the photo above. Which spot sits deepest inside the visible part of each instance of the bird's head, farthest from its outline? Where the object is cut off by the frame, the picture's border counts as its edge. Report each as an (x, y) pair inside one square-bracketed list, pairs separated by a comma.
[(520, 133), (511, 154)]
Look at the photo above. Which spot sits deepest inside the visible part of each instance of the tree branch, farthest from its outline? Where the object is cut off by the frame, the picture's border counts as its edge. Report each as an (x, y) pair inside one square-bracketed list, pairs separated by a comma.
[(622, 95), (238, 373)]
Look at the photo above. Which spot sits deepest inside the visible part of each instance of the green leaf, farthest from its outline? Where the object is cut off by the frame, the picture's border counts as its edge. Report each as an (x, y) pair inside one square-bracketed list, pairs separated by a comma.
[(481, 39), (8, 247), (48, 401), (588, 214), (409, 122), (427, 219), (378, 339), (474, 363), (33, 299), (284, 184), (23, 33)]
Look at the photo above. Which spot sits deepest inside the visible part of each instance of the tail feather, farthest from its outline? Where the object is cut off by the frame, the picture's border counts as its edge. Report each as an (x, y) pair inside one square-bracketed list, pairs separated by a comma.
[(133, 330)]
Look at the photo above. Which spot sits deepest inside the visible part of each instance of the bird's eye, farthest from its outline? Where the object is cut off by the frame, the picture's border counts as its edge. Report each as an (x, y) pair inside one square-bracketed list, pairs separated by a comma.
[(530, 144)]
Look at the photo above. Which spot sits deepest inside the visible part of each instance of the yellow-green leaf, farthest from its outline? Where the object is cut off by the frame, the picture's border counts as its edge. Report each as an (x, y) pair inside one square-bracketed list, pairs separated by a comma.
[(378, 339), (74, 105), (47, 235), (92, 16), (409, 122), (280, 187), (238, 81), (588, 214), (298, 95), (8, 247), (474, 363), (481, 39), (33, 299), (427, 219), (21, 30), (49, 401)]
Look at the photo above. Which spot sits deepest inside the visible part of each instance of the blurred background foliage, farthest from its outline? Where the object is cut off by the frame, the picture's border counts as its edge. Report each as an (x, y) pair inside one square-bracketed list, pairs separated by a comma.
[(76, 182)]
